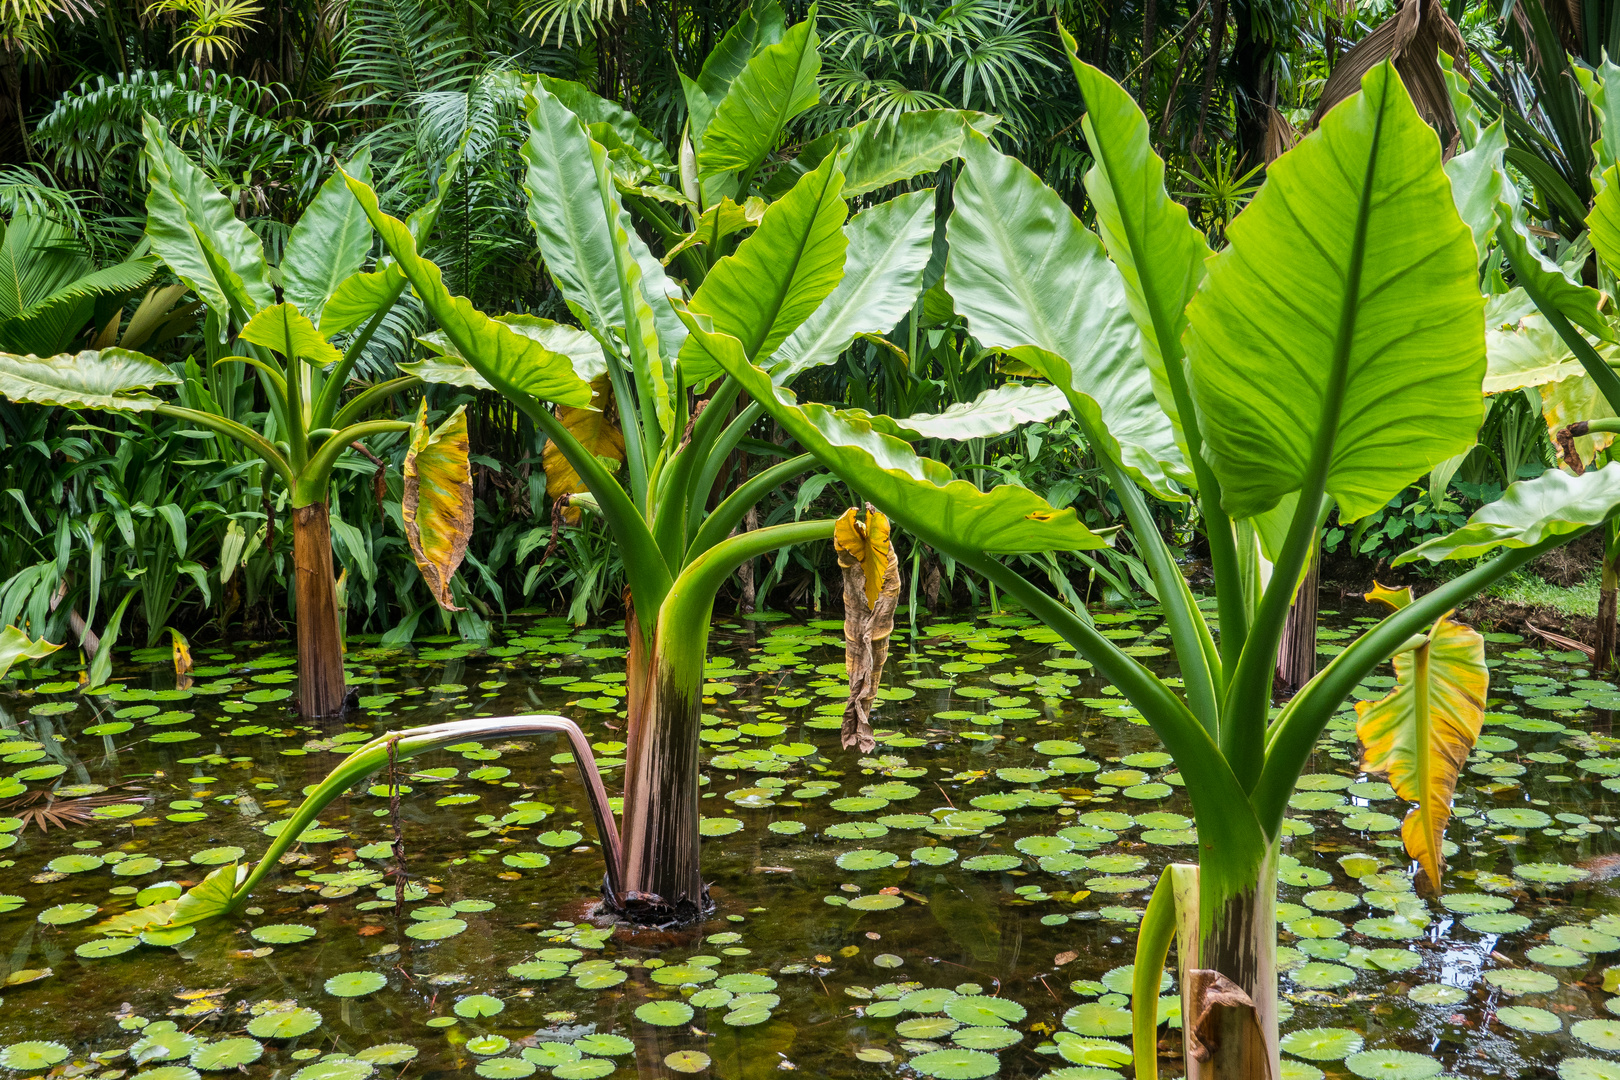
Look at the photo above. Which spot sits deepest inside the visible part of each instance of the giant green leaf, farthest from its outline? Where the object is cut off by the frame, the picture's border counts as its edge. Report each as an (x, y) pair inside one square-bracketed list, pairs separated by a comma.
[(1032, 279), (1553, 504), (196, 231), (1341, 330), (329, 243), (108, 379), (1530, 354), (1540, 276), (566, 209), (288, 331), (777, 277), (570, 193), (1598, 85), (1604, 220), (605, 119), (360, 296), (16, 645), (1476, 181), (758, 27), (918, 492), (449, 366), (501, 354), (887, 150), (889, 248), (994, 412), (1159, 254), (777, 84)]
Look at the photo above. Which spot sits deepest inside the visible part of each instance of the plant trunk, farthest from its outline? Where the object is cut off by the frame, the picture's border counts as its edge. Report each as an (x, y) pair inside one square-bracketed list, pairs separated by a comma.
[(1227, 1035), (1296, 656), (320, 642), (663, 879), (1603, 647)]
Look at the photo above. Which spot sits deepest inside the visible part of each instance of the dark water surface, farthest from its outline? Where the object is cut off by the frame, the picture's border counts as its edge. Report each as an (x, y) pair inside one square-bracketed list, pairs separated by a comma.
[(962, 903)]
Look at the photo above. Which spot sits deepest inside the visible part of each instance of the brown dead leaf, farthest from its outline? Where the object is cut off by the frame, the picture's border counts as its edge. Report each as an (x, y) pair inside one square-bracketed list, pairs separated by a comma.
[(1065, 958)]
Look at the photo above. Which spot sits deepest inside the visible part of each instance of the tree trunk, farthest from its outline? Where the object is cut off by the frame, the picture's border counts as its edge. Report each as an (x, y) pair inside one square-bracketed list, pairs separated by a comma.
[(1212, 62), (320, 643), (1296, 658), (663, 880), (1234, 1036), (1603, 655)]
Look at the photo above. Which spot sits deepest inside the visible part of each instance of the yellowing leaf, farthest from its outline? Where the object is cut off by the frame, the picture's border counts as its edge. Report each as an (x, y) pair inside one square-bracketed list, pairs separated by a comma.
[(865, 543), (596, 430), (438, 505), (871, 573), (15, 645), (182, 658), (1395, 598), (1423, 731)]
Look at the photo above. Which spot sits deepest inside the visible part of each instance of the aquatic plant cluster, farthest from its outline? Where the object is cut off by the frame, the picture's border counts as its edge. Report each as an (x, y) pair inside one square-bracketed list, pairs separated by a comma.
[(960, 903)]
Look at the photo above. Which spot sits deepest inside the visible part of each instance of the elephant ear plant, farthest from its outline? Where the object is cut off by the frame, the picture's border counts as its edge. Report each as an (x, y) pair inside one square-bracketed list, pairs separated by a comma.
[(797, 289), (285, 332), (1332, 354)]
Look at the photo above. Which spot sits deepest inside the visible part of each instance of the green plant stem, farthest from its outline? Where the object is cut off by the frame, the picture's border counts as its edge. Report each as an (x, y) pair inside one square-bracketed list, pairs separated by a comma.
[(724, 444), (368, 399), (725, 517), (1195, 648), (373, 755), (313, 478), (1292, 737), (326, 403), (1231, 841), (630, 424), (691, 597), (239, 432), (644, 566), (297, 428)]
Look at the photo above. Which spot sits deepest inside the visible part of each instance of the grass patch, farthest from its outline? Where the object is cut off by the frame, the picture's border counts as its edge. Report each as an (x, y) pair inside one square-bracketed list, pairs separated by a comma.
[(1532, 591)]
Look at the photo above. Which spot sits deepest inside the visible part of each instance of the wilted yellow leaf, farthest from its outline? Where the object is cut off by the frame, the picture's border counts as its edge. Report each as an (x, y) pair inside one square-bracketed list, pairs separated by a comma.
[(1394, 598), (867, 543), (871, 574), (438, 503), (1421, 734), (597, 430)]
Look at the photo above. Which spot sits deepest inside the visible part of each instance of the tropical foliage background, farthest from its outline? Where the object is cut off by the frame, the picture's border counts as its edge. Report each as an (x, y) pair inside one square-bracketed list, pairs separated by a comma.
[(265, 98)]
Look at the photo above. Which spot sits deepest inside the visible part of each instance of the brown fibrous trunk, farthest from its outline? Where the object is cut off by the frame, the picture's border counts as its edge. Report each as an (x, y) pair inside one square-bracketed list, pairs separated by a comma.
[(1296, 655), (1229, 988), (320, 642), (662, 875)]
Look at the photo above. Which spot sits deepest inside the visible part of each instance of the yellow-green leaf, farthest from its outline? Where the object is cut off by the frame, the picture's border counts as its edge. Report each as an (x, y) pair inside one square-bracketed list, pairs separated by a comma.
[(288, 331), (1421, 734), (438, 503), (16, 645), (596, 430)]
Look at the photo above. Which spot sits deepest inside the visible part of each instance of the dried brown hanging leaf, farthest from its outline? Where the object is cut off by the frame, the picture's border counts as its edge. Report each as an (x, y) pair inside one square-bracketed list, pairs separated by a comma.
[(1412, 40), (871, 592)]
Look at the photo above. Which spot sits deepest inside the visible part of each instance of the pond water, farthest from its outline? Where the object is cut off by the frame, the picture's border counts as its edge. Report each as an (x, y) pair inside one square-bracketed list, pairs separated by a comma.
[(961, 903)]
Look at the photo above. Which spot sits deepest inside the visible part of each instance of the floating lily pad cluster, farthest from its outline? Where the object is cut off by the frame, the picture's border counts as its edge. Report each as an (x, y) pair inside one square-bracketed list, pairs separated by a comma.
[(959, 903)]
